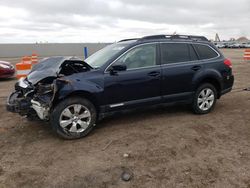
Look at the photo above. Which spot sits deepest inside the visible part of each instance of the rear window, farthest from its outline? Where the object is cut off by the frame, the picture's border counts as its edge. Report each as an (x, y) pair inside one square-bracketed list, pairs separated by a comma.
[(205, 52), (177, 52)]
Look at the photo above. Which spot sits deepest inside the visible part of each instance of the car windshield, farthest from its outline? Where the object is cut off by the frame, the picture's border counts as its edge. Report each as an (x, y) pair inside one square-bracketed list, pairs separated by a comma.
[(102, 56)]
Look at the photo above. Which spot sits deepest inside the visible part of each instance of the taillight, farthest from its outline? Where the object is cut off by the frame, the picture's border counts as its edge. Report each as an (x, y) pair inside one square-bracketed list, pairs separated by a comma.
[(228, 63)]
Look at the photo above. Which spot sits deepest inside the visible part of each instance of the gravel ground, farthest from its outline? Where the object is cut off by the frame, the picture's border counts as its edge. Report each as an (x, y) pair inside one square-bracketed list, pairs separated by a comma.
[(165, 146)]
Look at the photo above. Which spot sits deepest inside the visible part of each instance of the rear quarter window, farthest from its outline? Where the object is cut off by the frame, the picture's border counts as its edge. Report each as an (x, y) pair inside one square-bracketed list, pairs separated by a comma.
[(205, 52)]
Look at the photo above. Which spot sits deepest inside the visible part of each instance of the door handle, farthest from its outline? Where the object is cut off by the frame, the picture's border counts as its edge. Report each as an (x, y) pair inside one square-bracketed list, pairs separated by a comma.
[(154, 73), (196, 68)]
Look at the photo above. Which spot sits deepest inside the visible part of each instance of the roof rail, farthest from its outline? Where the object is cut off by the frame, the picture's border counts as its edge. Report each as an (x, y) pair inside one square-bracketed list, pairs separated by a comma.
[(124, 40), (151, 37), (187, 37)]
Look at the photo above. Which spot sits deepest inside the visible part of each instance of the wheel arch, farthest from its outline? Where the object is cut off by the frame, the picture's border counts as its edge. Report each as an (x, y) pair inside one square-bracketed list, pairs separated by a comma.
[(84, 94), (211, 80)]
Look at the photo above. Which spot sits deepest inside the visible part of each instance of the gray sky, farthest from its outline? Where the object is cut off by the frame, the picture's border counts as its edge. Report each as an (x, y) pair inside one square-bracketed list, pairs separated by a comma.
[(112, 20)]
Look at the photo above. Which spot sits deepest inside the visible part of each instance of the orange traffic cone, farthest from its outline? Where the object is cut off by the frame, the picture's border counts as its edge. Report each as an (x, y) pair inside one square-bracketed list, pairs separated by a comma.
[(34, 59), (24, 67), (247, 55)]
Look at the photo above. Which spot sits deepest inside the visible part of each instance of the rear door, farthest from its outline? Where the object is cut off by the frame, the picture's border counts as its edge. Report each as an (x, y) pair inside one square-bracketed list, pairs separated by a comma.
[(179, 63)]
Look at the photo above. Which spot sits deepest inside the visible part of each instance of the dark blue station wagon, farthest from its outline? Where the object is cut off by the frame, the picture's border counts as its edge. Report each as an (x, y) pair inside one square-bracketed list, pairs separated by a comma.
[(72, 94)]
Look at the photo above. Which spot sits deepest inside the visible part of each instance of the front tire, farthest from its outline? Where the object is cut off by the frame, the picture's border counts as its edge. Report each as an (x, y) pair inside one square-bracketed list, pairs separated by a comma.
[(73, 118), (204, 99)]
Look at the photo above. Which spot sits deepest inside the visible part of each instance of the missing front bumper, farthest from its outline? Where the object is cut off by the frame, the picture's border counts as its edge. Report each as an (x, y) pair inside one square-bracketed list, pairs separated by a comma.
[(17, 104), (42, 111)]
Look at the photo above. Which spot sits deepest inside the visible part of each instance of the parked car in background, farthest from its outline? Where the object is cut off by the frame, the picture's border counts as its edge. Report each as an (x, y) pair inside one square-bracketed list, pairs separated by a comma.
[(172, 69), (236, 45), (7, 70), (220, 45), (233, 45), (227, 45), (243, 45), (246, 45)]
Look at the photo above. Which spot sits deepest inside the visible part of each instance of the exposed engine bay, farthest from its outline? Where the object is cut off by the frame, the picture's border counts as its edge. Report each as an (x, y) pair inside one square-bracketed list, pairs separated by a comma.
[(34, 96)]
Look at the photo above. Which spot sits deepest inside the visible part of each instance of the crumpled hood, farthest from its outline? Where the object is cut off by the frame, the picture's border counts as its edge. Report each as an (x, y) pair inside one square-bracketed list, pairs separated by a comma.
[(48, 67)]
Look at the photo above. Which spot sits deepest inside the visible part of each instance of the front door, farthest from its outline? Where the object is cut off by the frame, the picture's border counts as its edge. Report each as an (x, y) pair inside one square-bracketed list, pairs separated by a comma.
[(139, 83)]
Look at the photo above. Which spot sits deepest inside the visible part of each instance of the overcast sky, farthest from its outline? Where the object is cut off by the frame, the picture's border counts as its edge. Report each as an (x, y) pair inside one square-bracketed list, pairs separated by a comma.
[(32, 21)]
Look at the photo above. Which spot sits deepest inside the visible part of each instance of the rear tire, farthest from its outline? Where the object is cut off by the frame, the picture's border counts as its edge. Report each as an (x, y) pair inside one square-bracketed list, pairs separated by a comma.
[(73, 118), (204, 99)]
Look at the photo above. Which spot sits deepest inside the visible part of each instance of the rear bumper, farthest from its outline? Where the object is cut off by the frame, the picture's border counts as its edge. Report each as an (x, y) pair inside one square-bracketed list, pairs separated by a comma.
[(228, 85), (226, 91)]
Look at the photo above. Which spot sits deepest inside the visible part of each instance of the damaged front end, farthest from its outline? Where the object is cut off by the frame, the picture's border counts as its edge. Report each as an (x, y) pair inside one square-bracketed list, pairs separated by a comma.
[(42, 100), (31, 101), (20, 100), (34, 96)]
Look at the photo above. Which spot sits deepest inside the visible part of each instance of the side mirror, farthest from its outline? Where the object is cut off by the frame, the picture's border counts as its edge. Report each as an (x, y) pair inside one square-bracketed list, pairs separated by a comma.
[(116, 68)]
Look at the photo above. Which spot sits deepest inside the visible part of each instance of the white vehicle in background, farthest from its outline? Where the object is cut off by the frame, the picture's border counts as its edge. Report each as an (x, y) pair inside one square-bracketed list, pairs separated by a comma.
[(243, 45), (230, 45), (247, 45), (220, 45), (236, 45)]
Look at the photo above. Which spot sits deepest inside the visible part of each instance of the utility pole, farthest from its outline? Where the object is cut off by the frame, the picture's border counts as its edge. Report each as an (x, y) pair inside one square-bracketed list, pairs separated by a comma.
[(217, 38)]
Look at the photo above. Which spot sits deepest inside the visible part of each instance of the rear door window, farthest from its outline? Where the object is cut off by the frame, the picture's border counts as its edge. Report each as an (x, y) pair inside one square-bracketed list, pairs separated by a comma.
[(177, 52), (205, 52)]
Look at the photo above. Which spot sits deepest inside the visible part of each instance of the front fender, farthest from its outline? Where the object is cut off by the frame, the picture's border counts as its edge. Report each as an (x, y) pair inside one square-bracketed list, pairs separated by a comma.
[(65, 87)]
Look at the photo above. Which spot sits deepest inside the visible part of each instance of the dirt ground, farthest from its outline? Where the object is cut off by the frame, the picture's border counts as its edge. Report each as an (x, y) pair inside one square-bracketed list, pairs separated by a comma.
[(167, 146)]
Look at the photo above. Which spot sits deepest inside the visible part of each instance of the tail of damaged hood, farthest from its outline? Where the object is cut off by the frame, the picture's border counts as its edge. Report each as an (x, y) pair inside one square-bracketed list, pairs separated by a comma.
[(55, 66)]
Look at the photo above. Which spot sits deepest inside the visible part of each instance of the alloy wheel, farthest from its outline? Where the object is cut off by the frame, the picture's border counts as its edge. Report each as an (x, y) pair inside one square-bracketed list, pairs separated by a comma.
[(75, 118), (206, 99)]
